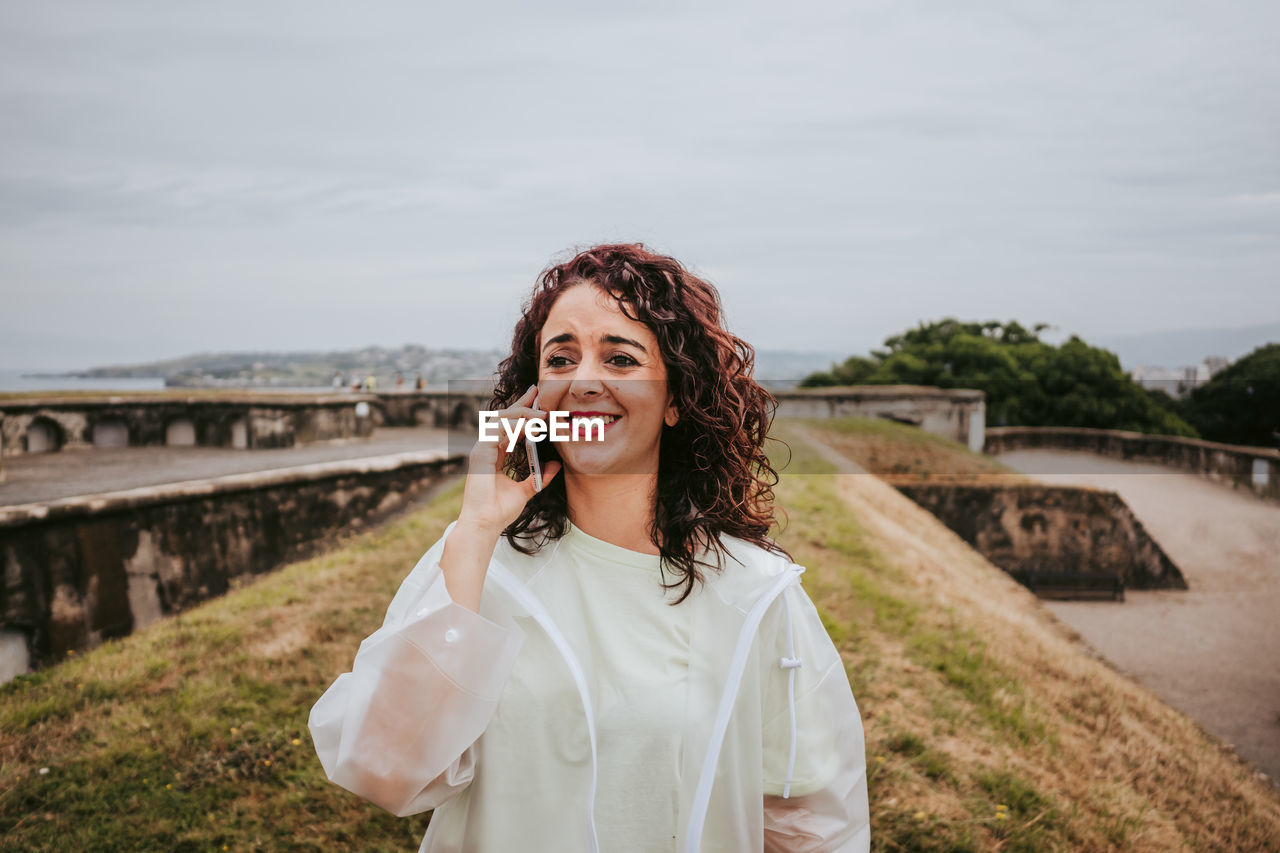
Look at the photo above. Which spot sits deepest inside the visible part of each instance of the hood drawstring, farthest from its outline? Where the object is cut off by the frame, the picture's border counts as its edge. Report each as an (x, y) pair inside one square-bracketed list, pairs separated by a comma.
[(791, 663)]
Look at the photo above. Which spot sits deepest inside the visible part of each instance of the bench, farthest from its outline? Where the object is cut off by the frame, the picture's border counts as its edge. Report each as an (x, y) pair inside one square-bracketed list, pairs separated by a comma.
[(1074, 585)]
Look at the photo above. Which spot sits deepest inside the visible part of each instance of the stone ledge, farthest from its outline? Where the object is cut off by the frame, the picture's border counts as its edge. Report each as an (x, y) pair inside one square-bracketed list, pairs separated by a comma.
[(82, 570), (1255, 469), (882, 392), (130, 499)]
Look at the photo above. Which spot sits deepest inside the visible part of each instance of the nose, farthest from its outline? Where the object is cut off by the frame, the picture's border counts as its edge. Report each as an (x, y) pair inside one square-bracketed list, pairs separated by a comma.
[(585, 386), (587, 379), (574, 391)]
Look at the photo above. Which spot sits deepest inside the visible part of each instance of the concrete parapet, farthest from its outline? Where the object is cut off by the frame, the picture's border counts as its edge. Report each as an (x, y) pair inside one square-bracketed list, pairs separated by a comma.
[(78, 571), (452, 409), (38, 424), (955, 413), (1255, 469)]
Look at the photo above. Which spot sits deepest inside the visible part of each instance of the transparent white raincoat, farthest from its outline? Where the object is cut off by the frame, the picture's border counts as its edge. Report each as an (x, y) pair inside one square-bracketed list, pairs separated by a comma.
[(440, 701)]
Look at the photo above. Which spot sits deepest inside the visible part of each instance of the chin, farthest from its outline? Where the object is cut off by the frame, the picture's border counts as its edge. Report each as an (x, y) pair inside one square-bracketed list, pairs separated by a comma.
[(596, 464)]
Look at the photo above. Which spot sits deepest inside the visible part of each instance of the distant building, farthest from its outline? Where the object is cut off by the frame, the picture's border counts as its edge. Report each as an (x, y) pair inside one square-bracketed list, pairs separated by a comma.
[(1177, 381), (1216, 363)]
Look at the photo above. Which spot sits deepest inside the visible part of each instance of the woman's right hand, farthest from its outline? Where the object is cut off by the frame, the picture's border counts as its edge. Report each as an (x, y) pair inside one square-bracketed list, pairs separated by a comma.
[(491, 500)]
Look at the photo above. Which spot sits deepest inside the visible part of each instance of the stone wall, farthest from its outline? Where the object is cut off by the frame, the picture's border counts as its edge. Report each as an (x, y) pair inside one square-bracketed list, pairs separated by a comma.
[(37, 425), (259, 420), (1036, 527), (440, 409), (81, 570), (1254, 469), (955, 413)]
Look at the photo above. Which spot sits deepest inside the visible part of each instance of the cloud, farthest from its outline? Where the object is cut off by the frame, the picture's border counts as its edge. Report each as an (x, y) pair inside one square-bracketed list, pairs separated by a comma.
[(359, 168)]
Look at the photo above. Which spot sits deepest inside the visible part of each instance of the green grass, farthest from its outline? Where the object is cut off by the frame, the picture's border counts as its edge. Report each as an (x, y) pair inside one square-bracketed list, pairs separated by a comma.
[(191, 735), (185, 737), (868, 578)]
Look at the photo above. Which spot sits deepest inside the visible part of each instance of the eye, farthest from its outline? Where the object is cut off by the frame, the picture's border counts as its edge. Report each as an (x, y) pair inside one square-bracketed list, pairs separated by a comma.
[(618, 360)]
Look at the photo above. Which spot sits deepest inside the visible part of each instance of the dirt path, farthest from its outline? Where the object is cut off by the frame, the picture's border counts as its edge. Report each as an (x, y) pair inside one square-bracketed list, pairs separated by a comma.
[(1212, 651)]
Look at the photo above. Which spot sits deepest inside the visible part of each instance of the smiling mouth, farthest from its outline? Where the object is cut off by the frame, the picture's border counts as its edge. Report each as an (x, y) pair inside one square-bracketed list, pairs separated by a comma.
[(585, 420)]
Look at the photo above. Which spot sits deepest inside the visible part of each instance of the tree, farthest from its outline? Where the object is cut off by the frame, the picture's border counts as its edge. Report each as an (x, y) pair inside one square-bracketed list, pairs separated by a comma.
[(1240, 404), (1027, 382)]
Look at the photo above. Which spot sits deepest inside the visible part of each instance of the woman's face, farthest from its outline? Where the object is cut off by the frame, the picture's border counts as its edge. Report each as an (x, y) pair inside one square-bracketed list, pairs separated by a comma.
[(593, 359)]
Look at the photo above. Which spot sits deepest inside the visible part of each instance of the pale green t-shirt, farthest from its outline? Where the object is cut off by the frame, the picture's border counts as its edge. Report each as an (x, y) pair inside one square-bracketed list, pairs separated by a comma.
[(635, 650)]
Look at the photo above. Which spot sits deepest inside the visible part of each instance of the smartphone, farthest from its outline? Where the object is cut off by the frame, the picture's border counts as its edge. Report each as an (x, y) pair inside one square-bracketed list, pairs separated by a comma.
[(532, 448)]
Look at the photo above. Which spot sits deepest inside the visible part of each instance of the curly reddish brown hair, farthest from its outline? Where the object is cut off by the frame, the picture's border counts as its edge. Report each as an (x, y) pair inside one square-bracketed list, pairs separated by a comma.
[(713, 475)]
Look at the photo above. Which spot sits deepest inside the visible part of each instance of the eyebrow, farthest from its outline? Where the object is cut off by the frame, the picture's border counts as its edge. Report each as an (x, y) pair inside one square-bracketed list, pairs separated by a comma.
[(606, 338)]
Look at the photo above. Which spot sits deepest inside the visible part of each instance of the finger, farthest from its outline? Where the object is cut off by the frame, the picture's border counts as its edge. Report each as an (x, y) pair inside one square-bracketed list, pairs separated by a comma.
[(548, 473), (520, 411)]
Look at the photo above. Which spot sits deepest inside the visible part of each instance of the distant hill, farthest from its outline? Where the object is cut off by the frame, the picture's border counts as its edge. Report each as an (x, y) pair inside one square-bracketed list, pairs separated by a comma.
[(308, 369), (778, 369)]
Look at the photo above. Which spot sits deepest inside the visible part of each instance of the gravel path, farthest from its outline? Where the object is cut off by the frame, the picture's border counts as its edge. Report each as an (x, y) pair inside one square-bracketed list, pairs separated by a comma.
[(87, 471), (1212, 651)]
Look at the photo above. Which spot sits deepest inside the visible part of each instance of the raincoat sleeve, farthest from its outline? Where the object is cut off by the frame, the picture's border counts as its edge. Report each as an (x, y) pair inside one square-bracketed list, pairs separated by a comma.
[(815, 792), (399, 728)]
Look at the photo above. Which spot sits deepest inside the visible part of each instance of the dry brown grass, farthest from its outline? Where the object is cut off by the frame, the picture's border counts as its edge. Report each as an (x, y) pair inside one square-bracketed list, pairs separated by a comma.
[(191, 734), (1112, 766), (896, 452)]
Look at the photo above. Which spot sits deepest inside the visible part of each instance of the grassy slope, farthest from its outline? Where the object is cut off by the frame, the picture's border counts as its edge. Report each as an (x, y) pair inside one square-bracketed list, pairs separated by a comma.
[(975, 696), (897, 452), (191, 735)]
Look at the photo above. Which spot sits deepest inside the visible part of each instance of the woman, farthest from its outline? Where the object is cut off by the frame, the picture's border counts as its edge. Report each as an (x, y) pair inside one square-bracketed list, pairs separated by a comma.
[(622, 660)]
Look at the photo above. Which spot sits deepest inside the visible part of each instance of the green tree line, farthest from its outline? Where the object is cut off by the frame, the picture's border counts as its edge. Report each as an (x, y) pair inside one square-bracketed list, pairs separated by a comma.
[(1029, 382)]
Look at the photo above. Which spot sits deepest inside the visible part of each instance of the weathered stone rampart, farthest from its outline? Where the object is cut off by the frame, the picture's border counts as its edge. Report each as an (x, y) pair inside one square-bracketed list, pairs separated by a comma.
[(955, 413), (1255, 469), (248, 421), (1027, 528), (78, 571), (252, 420)]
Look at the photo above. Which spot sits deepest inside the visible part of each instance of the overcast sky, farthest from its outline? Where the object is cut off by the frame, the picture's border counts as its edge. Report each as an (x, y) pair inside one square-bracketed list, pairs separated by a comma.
[(184, 177)]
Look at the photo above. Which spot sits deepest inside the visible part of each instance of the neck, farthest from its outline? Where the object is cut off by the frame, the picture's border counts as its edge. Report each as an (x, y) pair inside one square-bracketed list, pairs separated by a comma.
[(614, 507)]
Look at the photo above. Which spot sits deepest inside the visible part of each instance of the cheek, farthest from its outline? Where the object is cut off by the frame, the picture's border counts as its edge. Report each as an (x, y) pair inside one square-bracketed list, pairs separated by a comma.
[(656, 408), (646, 402)]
